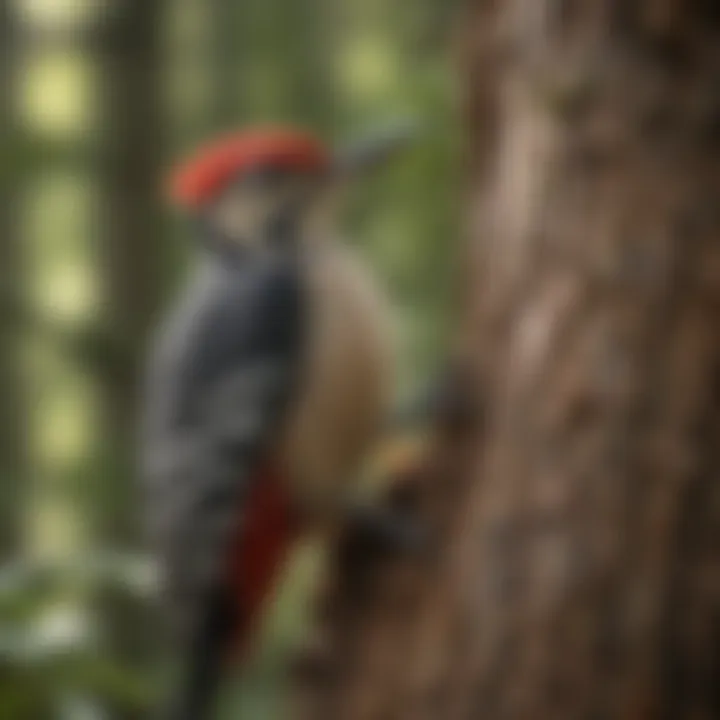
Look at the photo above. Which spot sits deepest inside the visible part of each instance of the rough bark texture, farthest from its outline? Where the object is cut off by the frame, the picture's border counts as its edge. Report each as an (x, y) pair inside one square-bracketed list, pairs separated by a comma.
[(577, 574)]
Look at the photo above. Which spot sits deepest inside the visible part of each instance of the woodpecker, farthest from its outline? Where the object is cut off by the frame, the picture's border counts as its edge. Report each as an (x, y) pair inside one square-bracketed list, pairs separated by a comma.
[(266, 385)]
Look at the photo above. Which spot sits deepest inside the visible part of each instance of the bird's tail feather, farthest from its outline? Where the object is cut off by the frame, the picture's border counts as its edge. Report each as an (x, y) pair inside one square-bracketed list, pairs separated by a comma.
[(195, 694)]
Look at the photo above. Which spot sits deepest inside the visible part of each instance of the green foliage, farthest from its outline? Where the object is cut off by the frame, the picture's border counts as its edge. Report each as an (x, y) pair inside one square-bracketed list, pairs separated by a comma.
[(50, 649)]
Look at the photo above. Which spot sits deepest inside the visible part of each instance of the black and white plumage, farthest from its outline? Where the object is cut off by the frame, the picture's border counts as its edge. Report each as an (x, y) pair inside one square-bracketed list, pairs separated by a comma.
[(279, 354), (220, 380)]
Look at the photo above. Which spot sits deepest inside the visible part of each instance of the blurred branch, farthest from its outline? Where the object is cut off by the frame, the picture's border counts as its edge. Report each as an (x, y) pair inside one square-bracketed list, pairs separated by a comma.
[(91, 347)]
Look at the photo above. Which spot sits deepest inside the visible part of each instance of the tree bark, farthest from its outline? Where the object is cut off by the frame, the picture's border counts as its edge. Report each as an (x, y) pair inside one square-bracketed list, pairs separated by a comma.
[(576, 569)]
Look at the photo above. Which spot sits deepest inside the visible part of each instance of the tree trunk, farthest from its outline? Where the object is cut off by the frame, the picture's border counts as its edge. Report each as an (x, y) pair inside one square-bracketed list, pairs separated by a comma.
[(307, 61), (576, 573), (131, 251), (13, 428), (228, 37), (131, 256)]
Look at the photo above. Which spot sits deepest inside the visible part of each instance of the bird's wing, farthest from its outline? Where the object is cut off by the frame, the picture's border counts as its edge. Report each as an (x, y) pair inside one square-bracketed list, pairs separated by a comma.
[(220, 381)]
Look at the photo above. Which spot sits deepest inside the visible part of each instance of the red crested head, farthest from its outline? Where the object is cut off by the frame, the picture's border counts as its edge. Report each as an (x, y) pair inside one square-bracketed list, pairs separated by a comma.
[(205, 175)]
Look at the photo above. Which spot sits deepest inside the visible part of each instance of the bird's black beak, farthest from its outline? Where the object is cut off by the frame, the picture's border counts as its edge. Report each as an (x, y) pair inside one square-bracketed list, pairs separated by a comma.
[(375, 149)]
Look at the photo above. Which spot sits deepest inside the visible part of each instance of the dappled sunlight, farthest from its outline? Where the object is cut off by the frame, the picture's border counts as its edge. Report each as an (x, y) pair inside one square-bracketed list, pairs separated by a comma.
[(64, 434), (56, 95), (369, 68), (70, 293)]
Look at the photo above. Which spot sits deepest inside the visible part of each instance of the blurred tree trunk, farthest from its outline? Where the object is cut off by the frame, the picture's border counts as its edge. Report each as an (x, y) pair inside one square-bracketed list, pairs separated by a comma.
[(132, 235), (131, 261), (577, 570), (227, 52), (307, 46), (12, 272), (293, 64)]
